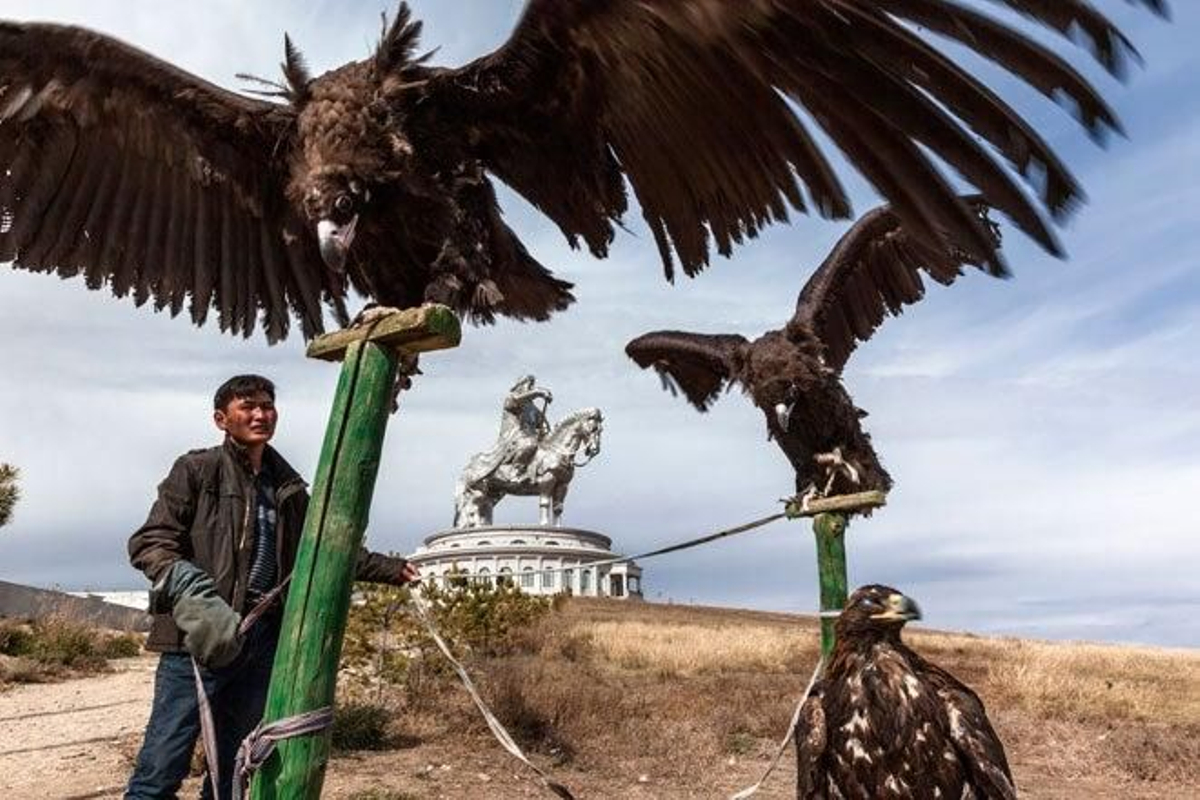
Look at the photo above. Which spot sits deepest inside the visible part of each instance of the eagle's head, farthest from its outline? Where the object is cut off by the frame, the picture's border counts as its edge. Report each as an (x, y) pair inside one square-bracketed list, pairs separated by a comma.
[(333, 202), (876, 611)]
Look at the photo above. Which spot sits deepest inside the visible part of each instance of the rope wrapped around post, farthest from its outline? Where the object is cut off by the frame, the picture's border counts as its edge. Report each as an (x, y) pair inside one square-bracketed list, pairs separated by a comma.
[(257, 747)]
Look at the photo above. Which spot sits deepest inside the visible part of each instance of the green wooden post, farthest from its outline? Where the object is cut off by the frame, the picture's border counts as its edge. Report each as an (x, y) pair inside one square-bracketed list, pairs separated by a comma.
[(830, 530), (830, 516), (314, 620)]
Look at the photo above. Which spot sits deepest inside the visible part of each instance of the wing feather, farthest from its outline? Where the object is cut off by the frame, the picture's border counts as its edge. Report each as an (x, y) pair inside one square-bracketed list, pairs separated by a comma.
[(131, 172), (177, 275), (1070, 17), (702, 366), (873, 272), (227, 291), (275, 312), (246, 276), (203, 255), (689, 101), (966, 723), (811, 738)]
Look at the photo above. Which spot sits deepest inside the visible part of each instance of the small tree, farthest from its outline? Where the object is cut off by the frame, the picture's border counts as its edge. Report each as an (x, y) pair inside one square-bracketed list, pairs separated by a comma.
[(9, 493), (386, 644)]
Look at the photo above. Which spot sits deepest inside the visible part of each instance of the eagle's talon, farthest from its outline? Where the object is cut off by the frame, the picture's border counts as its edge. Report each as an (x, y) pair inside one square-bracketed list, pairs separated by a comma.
[(799, 505), (372, 313), (406, 368), (836, 464)]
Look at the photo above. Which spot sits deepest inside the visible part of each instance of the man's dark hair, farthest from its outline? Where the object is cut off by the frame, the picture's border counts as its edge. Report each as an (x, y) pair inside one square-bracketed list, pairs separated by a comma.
[(241, 386)]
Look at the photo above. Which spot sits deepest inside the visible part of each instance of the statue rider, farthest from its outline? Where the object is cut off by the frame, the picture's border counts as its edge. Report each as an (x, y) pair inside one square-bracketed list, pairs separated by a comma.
[(523, 426)]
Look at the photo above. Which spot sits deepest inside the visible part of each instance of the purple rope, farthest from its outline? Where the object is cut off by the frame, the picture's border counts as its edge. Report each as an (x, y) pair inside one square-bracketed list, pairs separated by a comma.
[(260, 744)]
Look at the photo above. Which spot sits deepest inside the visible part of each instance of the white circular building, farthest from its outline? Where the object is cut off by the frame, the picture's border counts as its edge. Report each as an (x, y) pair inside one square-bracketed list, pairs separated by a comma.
[(540, 559)]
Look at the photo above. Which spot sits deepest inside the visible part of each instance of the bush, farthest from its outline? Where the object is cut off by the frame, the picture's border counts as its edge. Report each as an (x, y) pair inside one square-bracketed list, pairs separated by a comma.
[(62, 642), (49, 648), (360, 726), (484, 619), (122, 645), (9, 492), (16, 639), (386, 643)]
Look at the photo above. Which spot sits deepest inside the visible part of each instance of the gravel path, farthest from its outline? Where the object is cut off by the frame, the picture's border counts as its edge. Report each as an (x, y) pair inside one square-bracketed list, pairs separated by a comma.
[(74, 739)]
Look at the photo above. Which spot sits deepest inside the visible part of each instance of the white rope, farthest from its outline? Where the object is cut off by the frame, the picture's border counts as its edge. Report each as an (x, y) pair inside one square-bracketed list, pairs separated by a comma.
[(685, 545), (751, 790), (498, 730)]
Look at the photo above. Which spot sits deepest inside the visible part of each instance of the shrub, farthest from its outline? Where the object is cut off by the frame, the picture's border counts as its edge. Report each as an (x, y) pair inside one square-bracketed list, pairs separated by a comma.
[(16, 639), (385, 643), (122, 645), (9, 493), (54, 644), (63, 642), (360, 726)]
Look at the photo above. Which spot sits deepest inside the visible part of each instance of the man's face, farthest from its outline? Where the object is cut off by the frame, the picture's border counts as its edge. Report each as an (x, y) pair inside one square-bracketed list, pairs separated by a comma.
[(248, 420)]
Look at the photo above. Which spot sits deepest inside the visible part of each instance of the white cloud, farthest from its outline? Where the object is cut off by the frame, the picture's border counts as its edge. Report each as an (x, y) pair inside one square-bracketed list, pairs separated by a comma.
[(1041, 430)]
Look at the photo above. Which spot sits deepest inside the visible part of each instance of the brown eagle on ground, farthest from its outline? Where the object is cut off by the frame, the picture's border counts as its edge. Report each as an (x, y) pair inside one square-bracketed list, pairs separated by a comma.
[(795, 374), (120, 168), (882, 722)]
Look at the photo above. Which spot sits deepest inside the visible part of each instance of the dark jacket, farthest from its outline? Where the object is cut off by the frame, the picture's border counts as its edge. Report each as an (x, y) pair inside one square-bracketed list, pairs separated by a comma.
[(204, 514)]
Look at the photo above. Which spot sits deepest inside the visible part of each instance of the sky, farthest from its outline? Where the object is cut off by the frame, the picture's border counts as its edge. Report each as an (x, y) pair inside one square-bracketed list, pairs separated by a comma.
[(1043, 431)]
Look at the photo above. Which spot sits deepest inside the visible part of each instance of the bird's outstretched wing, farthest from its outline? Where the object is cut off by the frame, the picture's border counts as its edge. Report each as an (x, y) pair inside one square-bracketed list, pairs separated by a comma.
[(702, 365), (873, 272), (690, 101), (120, 168)]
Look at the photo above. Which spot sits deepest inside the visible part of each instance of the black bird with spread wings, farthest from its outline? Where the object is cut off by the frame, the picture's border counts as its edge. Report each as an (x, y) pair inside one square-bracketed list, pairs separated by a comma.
[(884, 722), (124, 170), (795, 374)]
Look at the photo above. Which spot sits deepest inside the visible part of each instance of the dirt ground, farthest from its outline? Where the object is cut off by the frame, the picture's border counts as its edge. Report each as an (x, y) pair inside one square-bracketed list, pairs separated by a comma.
[(77, 739)]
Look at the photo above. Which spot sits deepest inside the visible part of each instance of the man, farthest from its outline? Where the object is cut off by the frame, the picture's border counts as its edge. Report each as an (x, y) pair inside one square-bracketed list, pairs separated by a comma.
[(222, 534)]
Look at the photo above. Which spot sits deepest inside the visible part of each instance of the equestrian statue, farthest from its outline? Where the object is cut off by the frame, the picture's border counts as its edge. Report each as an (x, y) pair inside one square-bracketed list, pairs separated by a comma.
[(529, 458)]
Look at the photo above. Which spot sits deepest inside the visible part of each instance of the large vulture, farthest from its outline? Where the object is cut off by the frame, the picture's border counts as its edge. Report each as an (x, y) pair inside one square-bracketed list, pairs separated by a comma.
[(794, 374), (122, 169), (882, 722)]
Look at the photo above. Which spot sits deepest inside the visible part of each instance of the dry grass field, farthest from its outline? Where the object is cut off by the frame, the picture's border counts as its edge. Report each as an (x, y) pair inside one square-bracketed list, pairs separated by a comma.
[(621, 700), (653, 701)]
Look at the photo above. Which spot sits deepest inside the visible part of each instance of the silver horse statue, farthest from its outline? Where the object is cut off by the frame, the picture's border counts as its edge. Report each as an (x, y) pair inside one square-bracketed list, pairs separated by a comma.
[(529, 458)]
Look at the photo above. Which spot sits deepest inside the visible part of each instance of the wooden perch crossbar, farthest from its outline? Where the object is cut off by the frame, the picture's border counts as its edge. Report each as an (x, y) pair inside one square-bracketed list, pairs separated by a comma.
[(411, 330), (847, 503)]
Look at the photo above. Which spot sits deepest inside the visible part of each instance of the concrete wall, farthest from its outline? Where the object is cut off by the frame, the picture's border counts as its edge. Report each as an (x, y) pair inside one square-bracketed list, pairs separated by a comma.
[(27, 602)]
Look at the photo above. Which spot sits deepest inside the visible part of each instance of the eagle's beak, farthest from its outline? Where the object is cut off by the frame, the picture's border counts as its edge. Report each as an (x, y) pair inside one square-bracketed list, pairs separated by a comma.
[(899, 608), (335, 241)]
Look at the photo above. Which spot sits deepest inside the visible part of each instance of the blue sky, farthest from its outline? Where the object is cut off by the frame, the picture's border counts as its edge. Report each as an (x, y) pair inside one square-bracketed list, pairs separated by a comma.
[(1043, 431)]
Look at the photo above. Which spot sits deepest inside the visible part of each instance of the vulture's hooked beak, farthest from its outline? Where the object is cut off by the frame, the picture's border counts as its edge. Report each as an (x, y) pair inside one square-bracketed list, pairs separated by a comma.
[(899, 608), (335, 241), (783, 414)]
